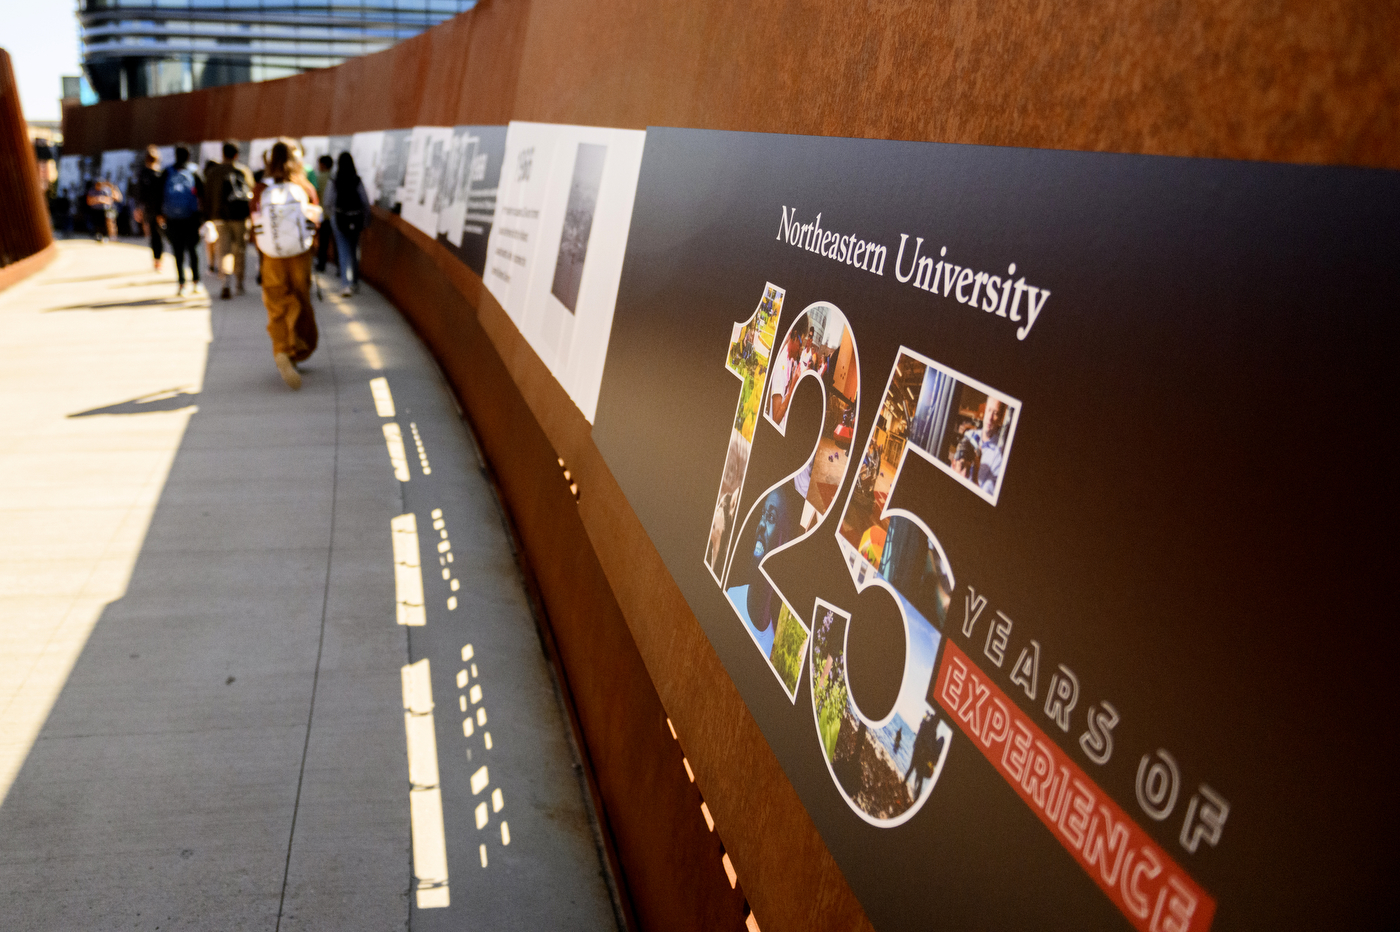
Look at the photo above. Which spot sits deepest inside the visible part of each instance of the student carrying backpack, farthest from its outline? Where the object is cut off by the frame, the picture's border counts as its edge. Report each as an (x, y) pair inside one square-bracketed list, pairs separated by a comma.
[(285, 216), (231, 202), (181, 199), (180, 214), (348, 204)]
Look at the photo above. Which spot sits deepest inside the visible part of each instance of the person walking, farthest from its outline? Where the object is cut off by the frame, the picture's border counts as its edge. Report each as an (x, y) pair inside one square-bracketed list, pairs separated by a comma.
[(321, 178), (347, 205), (180, 215), (102, 200), (230, 196), (150, 191), (285, 216)]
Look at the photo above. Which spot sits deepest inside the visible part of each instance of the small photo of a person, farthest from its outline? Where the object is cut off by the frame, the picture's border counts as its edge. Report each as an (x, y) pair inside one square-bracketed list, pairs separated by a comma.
[(989, 438), (786, 370), (775, 522)]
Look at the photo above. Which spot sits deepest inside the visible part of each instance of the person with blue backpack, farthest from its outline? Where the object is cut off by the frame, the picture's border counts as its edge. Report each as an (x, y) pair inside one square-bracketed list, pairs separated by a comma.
[(181, 216)]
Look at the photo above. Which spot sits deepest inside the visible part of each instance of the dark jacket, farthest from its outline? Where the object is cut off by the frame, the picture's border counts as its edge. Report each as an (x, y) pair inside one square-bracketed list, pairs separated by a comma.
[(150, 189)]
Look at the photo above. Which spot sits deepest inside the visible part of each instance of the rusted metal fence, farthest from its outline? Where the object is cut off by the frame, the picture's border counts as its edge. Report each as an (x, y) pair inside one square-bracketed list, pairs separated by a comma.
[(24, 219)]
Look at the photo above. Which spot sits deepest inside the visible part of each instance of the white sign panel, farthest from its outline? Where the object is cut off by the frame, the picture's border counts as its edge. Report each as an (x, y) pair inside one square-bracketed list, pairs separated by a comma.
[(556, 248), (427, 156), (312, 148), (119, 167), (257, 153), (367, 149)]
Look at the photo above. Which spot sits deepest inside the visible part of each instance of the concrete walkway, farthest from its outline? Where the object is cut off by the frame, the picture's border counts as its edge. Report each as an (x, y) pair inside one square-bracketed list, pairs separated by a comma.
[(266, 661)]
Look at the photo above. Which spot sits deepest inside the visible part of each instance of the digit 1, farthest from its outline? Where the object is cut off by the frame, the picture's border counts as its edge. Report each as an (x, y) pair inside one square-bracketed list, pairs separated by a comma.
[(750, 346)]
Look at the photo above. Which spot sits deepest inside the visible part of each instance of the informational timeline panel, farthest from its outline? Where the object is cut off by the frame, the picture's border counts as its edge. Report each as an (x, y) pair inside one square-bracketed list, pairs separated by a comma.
[(1033, 500), (555, 249), (427, 155), (391, 167), (367, 149), (119, 166), (258, 152), (467, 192)]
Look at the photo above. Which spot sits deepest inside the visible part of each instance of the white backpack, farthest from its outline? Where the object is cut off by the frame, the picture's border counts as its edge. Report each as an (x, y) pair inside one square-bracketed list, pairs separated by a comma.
[(286, 221)]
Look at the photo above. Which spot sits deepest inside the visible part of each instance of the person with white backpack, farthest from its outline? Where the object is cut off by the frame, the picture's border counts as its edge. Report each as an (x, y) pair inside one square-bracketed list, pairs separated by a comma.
[(286, 215)]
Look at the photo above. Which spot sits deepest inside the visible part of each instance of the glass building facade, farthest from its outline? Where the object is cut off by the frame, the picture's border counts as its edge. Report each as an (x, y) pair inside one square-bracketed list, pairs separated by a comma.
[(144, 48)]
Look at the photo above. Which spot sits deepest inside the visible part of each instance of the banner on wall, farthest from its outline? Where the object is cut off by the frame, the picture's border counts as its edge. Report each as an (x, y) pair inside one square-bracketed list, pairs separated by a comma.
[(119, 166), (72, 176), (555, 250), (312, 148), (466, 200), (1014, 489), (210, 151), (258, 151), (391, 169), (427, 156), (367, 149)]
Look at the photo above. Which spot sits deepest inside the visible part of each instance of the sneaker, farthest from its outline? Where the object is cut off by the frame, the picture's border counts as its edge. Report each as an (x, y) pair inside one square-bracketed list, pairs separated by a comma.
[(179, 289), (226, 293), (289, 372), (346, 292)]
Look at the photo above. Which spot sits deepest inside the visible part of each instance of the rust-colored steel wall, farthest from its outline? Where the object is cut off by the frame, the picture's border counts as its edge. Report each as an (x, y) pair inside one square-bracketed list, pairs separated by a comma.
[(24, 217), (1296, 80)]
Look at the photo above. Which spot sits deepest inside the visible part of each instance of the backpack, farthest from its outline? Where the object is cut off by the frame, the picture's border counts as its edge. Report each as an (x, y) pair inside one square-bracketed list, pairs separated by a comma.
[(350, 216), (237, 197), (181, 200), (285, 224)]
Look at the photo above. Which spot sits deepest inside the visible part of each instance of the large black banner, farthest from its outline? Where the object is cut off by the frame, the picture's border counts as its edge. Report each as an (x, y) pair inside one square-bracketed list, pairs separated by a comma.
[(1036, 502)]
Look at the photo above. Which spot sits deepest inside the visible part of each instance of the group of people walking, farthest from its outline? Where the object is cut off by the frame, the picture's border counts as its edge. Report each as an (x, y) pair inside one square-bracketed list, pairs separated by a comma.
[(282, 209)]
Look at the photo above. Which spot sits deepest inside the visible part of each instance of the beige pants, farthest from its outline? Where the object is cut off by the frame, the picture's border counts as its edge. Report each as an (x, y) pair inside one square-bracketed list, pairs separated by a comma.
[(286, 288), (231, 249)]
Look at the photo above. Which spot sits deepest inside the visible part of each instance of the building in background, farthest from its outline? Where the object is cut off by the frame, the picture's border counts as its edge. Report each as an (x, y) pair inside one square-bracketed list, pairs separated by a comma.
[(145, 48)]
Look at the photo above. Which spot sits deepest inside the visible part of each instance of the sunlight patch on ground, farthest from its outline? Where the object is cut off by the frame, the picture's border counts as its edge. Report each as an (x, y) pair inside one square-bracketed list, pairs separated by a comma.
[(77, 493)]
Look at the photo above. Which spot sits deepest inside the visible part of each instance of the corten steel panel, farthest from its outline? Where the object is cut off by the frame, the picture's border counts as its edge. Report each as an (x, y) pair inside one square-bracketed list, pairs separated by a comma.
[(24, 217), (445, 52), (670, 862), (1292, 81), (497, 42), (1298, 80), (18, 271), (410, 83)]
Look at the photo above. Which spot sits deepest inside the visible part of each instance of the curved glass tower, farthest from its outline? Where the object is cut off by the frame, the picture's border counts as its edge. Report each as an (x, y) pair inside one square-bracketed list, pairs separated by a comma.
[(144, 48)]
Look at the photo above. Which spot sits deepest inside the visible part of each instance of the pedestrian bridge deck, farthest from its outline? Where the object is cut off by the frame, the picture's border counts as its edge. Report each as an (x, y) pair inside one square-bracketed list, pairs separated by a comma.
[(228, 697)]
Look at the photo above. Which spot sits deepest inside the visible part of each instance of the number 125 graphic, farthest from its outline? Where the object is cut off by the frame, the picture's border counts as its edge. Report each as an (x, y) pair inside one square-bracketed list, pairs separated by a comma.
[(885, 769)]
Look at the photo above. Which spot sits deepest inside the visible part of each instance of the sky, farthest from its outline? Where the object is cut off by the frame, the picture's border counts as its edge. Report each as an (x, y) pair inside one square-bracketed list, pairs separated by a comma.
[(42, 39)]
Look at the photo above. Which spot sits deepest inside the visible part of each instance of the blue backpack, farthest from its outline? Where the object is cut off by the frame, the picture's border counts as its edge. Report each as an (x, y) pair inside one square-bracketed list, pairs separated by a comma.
[(181, 201)]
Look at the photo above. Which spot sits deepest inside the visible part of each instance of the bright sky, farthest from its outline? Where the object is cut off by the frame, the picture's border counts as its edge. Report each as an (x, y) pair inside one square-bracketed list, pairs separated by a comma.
[(42, 39)]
